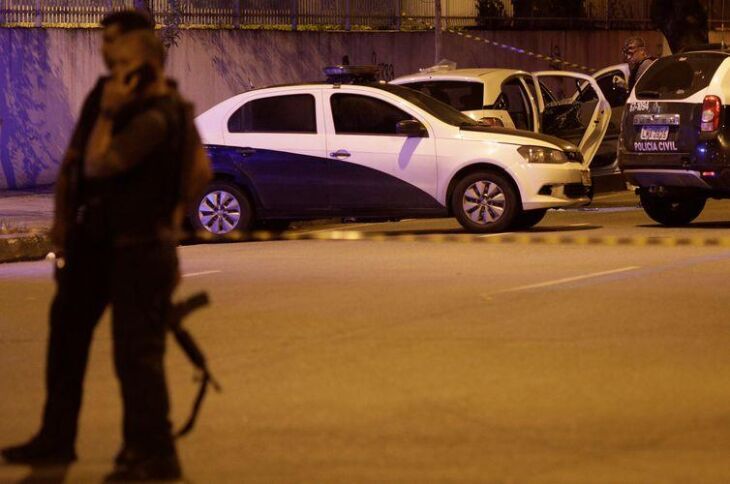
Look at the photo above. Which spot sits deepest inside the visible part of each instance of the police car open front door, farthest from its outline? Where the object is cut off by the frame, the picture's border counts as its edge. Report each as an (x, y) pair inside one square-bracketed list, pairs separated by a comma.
[(578, 112)]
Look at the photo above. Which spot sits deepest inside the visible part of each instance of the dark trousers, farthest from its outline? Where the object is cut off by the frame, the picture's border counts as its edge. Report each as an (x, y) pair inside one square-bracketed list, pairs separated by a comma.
[(138, 283)]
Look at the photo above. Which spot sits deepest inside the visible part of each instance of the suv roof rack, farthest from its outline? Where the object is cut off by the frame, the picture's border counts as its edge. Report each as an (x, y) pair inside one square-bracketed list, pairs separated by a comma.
[(351, 74), (703, 47)]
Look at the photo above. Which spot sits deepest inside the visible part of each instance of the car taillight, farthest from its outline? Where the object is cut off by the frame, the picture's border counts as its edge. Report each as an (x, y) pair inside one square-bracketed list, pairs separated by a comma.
[(711, 108), (491, 122)]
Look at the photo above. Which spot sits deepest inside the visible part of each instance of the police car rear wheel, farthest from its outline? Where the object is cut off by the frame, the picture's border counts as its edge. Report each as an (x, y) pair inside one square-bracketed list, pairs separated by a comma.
[(223, 208), (672, 211), (485, 202)]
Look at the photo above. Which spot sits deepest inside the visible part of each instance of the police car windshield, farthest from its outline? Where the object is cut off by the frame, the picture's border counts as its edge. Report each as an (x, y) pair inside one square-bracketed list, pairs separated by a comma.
[(679, 76), (436, 108)]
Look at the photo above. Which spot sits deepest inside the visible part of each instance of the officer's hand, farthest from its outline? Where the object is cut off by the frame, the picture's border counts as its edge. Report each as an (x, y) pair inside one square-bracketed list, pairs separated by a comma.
[(619, 83), (116, 94)]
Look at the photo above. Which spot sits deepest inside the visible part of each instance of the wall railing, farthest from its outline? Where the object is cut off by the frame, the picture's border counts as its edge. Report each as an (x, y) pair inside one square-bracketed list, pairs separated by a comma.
[(338, 14)]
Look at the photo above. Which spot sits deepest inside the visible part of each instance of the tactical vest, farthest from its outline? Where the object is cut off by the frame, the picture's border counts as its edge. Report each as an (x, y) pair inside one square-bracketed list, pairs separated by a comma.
[(634, 72), (137, 206)]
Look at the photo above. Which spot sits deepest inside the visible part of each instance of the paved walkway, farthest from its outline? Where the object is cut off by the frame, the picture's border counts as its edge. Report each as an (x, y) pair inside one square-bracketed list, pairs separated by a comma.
[(25, 218), (26, 210)]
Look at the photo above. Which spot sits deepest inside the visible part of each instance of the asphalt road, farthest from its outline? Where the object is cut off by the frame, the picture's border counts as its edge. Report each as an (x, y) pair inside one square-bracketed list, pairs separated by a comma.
[(426, 362)]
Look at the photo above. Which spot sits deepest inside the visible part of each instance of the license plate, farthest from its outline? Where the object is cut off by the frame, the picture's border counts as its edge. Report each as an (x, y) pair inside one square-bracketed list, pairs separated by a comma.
[(654, 133), (586, 175)]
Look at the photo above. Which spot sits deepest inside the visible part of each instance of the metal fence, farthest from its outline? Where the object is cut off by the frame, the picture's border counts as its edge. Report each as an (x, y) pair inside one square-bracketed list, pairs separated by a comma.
[(335, 14)]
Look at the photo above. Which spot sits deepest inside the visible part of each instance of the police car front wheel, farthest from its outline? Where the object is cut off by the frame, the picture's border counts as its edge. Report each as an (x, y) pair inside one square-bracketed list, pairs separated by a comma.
[(223, 208), (485, 202)]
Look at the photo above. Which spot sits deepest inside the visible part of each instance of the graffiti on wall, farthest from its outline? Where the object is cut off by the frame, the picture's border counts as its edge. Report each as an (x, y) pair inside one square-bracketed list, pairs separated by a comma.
[(35, 116)]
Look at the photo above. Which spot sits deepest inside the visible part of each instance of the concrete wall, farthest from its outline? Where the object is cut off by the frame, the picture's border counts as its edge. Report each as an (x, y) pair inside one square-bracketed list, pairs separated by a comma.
[(45, 73)]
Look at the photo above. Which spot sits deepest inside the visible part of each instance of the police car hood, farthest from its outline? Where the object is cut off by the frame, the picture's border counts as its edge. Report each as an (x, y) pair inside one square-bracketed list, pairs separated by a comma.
[(519, 137)]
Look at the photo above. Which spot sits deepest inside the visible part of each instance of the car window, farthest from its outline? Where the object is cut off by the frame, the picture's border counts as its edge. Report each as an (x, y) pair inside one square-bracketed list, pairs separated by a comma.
[(569, 116), (547, 96), (276, 114), (358, 114), (432, 106), (616, 95), (461, 95), (514, 100), (678, 76)]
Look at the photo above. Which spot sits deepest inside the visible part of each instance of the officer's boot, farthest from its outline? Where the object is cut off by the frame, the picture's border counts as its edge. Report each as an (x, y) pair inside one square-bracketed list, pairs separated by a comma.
[(132, 466), (40, 450)]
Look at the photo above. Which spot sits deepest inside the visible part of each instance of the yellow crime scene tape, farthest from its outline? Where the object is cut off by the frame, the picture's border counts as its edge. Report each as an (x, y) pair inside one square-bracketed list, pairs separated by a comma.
[(511, 48), (466, 238)]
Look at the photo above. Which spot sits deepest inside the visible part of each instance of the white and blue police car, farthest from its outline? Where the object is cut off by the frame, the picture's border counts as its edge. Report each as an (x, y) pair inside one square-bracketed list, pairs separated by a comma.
[(354, 147)]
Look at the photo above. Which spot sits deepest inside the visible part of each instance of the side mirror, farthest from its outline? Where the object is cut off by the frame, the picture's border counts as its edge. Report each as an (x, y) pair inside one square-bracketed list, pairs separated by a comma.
[(411, 128)]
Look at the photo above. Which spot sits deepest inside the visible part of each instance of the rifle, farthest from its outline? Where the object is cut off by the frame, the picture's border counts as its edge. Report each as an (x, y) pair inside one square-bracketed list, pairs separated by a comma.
[(178, 312)]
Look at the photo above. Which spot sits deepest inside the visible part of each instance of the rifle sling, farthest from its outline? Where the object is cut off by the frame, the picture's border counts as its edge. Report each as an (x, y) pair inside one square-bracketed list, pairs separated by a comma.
[(190, 423)]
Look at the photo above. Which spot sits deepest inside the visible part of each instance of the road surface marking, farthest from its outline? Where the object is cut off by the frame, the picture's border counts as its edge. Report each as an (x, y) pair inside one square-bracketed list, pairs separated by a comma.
[(524, 238), (569, 279), (203, 273)]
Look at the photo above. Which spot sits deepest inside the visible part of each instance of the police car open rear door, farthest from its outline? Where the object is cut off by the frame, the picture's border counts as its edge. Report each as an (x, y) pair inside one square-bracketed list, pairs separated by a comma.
[(578, 112)]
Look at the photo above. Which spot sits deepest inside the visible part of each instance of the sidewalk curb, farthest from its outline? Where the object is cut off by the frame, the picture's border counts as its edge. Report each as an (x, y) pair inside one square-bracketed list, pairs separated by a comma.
[(24, 247)]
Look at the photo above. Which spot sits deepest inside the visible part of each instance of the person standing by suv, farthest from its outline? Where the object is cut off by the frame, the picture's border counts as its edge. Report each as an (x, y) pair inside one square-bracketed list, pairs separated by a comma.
[(637, 58)]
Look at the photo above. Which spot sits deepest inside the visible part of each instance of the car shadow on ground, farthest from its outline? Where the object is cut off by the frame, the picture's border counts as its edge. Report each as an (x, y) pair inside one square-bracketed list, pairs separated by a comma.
[(373, 232), (695, 225), (559, 228), (462, 232)]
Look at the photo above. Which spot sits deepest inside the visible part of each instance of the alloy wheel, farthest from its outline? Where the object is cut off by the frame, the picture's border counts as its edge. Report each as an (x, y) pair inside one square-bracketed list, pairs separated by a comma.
[(484, 202), (219, 212)]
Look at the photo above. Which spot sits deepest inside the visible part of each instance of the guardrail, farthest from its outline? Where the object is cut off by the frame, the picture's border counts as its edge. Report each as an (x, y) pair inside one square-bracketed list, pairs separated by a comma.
[(339, 14)]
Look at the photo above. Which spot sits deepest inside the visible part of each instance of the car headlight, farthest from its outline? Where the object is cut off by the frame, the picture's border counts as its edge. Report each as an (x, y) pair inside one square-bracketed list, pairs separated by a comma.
[(538, 154)]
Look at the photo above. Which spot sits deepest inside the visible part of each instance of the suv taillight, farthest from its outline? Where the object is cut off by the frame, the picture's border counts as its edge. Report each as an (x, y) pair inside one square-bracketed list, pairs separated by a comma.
[(711, 108)]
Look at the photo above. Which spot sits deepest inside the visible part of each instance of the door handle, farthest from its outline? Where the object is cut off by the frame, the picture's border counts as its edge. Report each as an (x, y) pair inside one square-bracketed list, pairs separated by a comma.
[(340, 154), (245, 151)]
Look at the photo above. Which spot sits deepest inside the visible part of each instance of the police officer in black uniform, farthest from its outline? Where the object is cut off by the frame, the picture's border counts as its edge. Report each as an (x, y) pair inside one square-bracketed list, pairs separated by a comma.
[(141, 166)]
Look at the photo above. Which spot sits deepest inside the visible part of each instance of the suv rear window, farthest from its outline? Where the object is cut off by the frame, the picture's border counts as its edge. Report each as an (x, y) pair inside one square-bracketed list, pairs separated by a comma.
[(678, 76), (464, 96)]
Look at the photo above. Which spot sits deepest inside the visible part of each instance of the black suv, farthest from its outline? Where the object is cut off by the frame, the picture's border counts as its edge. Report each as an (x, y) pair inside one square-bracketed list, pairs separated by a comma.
[(675, 137)]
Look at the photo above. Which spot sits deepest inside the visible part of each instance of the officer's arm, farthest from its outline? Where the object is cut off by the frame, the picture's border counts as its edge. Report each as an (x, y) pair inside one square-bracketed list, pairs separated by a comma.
[(71, 157), (61, 201), (110, 154)]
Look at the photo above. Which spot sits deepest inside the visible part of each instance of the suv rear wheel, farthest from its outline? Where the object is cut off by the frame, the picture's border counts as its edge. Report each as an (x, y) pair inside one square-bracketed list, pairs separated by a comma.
[(485, 202), (672, 211)]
